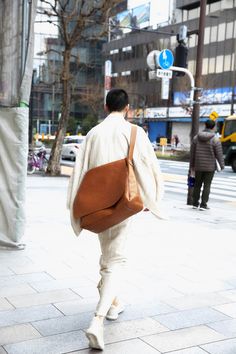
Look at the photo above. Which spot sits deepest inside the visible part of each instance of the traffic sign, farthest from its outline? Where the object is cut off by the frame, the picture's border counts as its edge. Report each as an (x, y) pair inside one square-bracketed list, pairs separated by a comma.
[(165, 59), (152, 59), (214, 115), (164, 73)]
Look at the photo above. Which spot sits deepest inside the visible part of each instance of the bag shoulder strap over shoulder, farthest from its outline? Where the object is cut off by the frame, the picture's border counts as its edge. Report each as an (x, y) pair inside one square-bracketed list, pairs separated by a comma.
[(132, 141)]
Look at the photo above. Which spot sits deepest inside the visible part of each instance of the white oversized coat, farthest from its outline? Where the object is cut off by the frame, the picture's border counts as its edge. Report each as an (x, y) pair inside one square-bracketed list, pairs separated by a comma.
[(107, 142)]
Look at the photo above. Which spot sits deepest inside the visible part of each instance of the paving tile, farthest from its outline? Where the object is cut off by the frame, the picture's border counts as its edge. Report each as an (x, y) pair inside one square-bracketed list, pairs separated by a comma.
[(17, 333), (193, 350), (76, 306), (2, 351), (5, 271), (25, 278), (227, 328), (28, 268), (43, 298), (229, 295), (189, 318), (64, 324), (194, 301), (61, 284), (28, 314), (86, 291), (5, 305), (133, 346), (223, 347), (227, 309), (132, 329), (182, 338), (57, 344), (143, 310), (21, 289)]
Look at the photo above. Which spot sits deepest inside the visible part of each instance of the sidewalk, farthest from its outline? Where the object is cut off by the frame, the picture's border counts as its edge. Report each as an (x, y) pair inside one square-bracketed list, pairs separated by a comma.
[(180, 290)]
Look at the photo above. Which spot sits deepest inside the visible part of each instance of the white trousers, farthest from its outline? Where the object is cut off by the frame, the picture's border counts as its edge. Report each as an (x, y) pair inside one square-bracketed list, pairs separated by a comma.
[(112, 264)]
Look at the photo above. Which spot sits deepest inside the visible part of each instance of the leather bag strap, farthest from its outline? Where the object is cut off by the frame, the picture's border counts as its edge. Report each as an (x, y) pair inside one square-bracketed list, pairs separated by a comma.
[(132, 141)]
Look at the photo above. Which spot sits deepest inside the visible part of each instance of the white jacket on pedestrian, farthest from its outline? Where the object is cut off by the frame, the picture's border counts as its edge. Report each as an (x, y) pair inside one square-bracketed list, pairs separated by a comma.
[(107, 142)]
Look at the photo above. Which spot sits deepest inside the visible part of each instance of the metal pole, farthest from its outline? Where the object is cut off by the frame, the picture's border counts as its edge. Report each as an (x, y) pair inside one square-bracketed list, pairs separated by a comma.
[(192, 82), (233, 75), (198, 75)]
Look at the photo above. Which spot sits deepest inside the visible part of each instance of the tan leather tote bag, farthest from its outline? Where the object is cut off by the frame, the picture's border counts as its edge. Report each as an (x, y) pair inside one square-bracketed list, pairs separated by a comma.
[(108, 194)]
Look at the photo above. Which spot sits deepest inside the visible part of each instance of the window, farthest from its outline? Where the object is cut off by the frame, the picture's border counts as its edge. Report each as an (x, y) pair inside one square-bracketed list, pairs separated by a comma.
[(192, 14), (213, 33), (205, 66), (212, 62), (207, 35), (232, 62), (227, 62), (221, 32), (229, 30), (173, 41), (192, 41), (125, 73), (185, 15), (219, 63), (114, 51), (127, 49), (191, 66), (215, 6), (230, 127)]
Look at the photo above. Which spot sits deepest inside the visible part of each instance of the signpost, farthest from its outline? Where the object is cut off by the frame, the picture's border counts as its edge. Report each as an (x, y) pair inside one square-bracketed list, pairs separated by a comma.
[(165, 59), (164, 73)]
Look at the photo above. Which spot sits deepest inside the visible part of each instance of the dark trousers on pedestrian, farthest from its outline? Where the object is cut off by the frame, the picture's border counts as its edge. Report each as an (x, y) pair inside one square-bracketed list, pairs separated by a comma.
[(204, 179)]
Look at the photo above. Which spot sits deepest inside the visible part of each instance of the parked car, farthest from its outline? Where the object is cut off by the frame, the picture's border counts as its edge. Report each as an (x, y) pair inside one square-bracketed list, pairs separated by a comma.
[(71, 145)]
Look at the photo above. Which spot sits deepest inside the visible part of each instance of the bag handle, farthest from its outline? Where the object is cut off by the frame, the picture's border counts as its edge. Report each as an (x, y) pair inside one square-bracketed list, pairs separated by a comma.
[(132, 141)]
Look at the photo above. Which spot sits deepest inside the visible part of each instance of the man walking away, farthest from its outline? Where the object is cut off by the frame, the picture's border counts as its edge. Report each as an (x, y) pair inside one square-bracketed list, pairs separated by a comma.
[(205, 150)]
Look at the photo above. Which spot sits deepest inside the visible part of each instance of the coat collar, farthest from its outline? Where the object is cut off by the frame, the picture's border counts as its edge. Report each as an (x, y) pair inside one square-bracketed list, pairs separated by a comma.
[(117, 115)]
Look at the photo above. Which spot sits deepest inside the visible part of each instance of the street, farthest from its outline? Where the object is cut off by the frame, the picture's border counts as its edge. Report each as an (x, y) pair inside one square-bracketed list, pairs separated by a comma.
[(175, 173), (179, 292)]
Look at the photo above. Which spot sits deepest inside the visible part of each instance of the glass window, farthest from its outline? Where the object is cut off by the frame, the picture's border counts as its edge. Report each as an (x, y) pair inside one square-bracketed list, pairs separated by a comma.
[(213, 33), (232, 62), (185, 15), (227, 62), (193, 14), (191, 66), (207, 35), (221, 32), (212, 62), (219, 63), (205, 66), (173, 40), (215, 6), (229, 30), (230, 127), (192, 41)]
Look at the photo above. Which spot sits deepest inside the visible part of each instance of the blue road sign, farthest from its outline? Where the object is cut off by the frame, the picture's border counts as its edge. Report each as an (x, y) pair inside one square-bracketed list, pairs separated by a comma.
[(165, 59)]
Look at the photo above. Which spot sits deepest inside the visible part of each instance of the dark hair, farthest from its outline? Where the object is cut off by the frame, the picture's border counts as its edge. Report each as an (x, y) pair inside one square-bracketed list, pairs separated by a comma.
[(117, 100), (210, 124)]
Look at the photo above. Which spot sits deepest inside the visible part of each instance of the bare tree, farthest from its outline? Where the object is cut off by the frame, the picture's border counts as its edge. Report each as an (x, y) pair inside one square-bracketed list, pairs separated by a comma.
[(76, 21)]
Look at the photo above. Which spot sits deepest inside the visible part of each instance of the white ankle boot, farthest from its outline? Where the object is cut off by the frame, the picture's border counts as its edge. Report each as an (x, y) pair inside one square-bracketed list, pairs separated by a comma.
[(114, 312), (95, 334)]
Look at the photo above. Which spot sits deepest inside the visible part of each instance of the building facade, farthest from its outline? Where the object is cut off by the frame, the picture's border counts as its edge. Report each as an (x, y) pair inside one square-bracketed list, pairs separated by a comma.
[(166, 118)]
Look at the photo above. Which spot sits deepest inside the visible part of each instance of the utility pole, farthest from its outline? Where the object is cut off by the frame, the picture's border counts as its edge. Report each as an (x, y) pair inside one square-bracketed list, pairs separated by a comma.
[(198, 75), (233, 76)]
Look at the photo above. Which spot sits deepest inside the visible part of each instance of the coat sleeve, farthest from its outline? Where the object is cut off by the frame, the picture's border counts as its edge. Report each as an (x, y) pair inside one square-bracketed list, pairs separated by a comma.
[(74, 182), (149, 175)]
